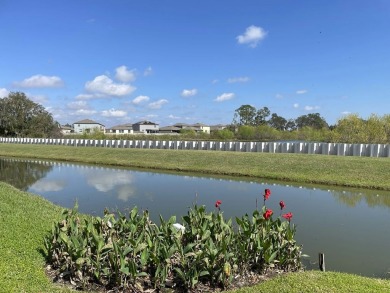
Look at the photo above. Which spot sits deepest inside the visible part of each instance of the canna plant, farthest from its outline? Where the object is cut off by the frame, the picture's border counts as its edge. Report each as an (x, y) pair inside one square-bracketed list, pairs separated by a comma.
[(130, 252)]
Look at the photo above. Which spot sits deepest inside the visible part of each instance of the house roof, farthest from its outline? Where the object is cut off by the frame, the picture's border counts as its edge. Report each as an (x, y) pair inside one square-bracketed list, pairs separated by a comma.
[(122, 126), (170, 128), (87, 121), (146, 122), (199, 125), (218, 126), (181, 125)]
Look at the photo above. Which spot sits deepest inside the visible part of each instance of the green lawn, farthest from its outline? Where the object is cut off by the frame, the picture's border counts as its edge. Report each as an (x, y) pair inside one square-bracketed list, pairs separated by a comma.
[(26, 218)]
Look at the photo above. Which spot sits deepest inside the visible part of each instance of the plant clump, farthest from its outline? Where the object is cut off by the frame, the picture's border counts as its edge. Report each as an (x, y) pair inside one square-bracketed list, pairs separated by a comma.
[(131, 253)]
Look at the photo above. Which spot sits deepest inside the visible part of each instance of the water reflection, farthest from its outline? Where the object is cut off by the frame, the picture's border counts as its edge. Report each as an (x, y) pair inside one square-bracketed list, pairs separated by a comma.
[(22, 174), (350, 226)]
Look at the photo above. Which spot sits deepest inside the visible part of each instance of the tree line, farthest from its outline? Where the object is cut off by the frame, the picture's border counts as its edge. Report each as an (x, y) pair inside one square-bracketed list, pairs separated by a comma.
[(250, 123), (21, 117)]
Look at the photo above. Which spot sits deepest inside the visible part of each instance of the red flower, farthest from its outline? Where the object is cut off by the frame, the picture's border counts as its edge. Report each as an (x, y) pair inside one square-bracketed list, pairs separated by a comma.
[(288, 216), (218, 203), (268, 213), (282, 204), (267, 193)]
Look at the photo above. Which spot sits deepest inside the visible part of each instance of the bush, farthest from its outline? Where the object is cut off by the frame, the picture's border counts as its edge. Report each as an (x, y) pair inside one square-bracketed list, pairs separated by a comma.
[(133, 253)]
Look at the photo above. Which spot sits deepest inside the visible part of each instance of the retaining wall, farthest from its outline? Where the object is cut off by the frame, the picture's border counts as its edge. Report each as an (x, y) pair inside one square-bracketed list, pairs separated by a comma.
[(339, 149)]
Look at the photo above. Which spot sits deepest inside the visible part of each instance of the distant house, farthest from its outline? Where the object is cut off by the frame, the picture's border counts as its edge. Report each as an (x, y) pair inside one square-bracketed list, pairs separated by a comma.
[(87, 126), (197, 127), (169, 129), (182, 125), (146, 127), (121, 129), (66, 129), (217, 127)]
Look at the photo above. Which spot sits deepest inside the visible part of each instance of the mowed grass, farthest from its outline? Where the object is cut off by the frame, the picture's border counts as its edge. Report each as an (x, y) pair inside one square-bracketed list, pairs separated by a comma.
[(24, 220), (362, 172), (316, 281)]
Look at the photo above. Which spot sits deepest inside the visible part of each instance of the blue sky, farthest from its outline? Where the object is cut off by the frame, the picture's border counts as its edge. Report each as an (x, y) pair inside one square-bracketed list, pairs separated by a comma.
[(168, 61)]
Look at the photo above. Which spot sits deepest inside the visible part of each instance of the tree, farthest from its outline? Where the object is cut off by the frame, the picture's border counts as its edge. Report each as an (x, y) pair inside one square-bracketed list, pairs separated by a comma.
[(245, 115), (246, 132), (277, 122), (290, 125), (313, 120), (261, 116), (22, 117)]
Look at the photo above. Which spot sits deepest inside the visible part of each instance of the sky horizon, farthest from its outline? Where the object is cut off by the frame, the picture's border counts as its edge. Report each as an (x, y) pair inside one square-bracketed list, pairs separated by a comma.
[(172, 61)]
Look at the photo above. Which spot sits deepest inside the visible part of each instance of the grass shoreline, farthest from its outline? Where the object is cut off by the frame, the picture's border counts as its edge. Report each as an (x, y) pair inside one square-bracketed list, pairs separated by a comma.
[(25, 218), (359, 172)]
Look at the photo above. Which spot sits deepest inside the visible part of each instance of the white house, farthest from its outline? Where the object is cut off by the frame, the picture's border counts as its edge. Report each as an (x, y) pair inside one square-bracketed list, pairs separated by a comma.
[(121, 129), (199, 127), (87, 126)]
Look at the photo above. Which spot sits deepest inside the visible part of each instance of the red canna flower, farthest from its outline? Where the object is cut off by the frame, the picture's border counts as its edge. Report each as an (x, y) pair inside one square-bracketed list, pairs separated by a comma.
[(282, 204), (268, 213), (218, 203), (267, 193), (288, 216)]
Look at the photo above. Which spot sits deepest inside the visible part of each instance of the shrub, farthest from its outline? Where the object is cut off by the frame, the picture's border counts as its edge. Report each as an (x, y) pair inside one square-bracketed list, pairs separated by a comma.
[(136, 254)]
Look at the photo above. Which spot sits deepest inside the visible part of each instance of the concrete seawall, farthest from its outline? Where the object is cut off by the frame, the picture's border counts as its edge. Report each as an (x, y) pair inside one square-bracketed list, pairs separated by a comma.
[(321, 148)]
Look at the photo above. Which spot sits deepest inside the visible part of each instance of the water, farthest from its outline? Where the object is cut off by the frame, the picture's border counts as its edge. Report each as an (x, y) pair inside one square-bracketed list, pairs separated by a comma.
[(351, 226)]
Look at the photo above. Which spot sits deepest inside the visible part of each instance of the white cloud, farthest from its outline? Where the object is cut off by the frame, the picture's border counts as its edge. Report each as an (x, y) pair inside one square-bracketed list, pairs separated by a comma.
[(189, 93), (224, 97), (296, 105), (104, 85), (311, 108), (77, 105), (214, 81), (148, 71), (158, 104), (48, 185), (126, 192), (85, 97), (173, 117), (104, 182), (279, 96), (252, 36), (238, 79), (301, 92), (3, 93), (114, 113), (84, 112), (140, 99), (345, 112), (40, 99), (40, 81), (125, 75)]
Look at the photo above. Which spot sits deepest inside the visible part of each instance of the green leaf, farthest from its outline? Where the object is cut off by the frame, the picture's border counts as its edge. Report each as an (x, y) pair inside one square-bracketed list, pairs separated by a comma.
[(272, 257), (125, 270)]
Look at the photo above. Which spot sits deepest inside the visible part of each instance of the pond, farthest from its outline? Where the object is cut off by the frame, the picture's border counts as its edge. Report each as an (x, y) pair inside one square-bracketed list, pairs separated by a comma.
[(350, 226)]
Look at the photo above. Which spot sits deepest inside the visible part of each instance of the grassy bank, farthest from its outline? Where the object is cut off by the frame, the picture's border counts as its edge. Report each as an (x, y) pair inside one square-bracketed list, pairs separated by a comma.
[(364, 172), (26, 218)]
